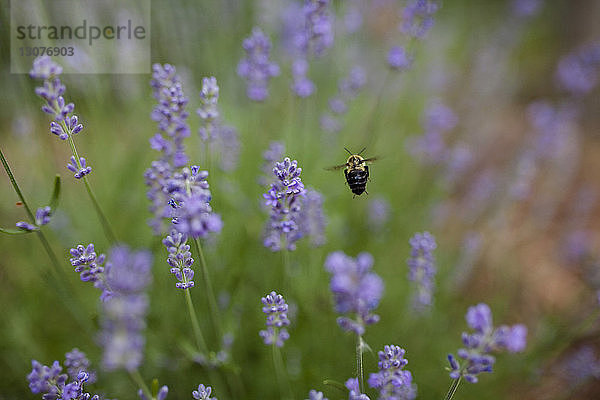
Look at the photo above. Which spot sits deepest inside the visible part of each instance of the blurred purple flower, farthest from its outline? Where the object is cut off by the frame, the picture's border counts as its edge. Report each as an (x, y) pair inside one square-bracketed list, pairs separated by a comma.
[(355, 288), (526, 8), (312, 219), (422, 270), (256, 67), (577, 72), (270, 156), (354, 390), (398, 59), (417, 18), (478, 346), (378, 213)]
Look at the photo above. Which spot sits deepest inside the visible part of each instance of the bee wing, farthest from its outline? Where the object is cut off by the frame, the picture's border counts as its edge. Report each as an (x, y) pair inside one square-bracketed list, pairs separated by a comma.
[(336, 167), (371, 159)]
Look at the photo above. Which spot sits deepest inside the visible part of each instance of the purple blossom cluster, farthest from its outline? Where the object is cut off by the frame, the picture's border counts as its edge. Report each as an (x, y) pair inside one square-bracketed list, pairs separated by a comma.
[(430, 148), (170, 115), (356, 290), (160, 395), (223, 139), (311, 35), (180, 259), (42, 217), (354, 392), (256, 67), (190, 198), (378, 213), (398, 59), (348, 88), (203, 393), (417, 18), (64, 123), (421, 269), (392, 381), (285, 198), (123, 314), (578, 72), (53, 384), (476, 355), (89, 266), (313, 218), (276, 308), (316, 395)]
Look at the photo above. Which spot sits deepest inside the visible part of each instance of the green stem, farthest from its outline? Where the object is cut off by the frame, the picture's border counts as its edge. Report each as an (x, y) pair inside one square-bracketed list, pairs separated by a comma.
[(370, 134), (103, 220), (137, 379), (57, 273), (281, 373), (212, 302), (359, 363), (195, 325), (453, 388)]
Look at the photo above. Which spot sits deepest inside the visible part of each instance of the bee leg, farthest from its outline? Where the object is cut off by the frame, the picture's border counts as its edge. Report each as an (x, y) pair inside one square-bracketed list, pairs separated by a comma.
[(367, 192), (353, 196)]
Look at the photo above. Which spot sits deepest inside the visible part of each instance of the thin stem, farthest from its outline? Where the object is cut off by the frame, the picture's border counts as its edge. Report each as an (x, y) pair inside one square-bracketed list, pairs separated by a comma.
[(137, 379), (359, 363), (368, 129), (281, 373), (195, 325), (103, 220), (453, 388), (57, 273), (212, 302)]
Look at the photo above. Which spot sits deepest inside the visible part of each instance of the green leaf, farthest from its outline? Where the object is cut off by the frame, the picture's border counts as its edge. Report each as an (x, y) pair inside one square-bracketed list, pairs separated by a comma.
[(55, 193), (12, 231)]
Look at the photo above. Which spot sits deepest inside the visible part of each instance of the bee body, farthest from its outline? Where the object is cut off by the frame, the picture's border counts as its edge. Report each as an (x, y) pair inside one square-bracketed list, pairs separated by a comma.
[(356, 172)]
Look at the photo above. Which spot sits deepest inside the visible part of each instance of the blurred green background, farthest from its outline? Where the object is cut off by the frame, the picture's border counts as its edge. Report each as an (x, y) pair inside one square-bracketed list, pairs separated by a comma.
[(482, 64)]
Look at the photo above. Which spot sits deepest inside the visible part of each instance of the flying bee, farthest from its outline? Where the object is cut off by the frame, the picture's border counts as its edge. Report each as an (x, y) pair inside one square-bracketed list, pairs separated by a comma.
[(356, 171)]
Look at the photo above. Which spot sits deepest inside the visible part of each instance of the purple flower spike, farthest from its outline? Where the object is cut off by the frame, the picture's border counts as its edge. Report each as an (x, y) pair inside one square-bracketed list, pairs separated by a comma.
[(80, 172), (422, 269), (417, 18), (476, 355), (392, 381), (276, 308), (285, 199), (315, 395), (398, 59), (203, 393), (180, 259), (44, 68), (355, 288), (26, 226), (354, 390), (42, 215), (256, 67)]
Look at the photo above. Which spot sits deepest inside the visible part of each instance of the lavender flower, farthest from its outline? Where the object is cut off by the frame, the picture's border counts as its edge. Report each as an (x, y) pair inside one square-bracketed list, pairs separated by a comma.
[(301, 85), (64, 124), (208, 111), (417, 18), (354, 390), (348, 88), (398, 59), (392, 381), (161, 395), (312, 217), (256, 67), (438, 119), (283, 228), (355, 288), (226, 144), (378, 213), (422, 269), (42, 215), (314, 395), (526, 8), (75, 362), (578, 71), (79, 167), (203, 393), (26, 226), (476, 356), (580, 366), (89, 266), (53, 385), (318, 33), (180, 259), (128, 274), (276, 309), (190, 198)]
